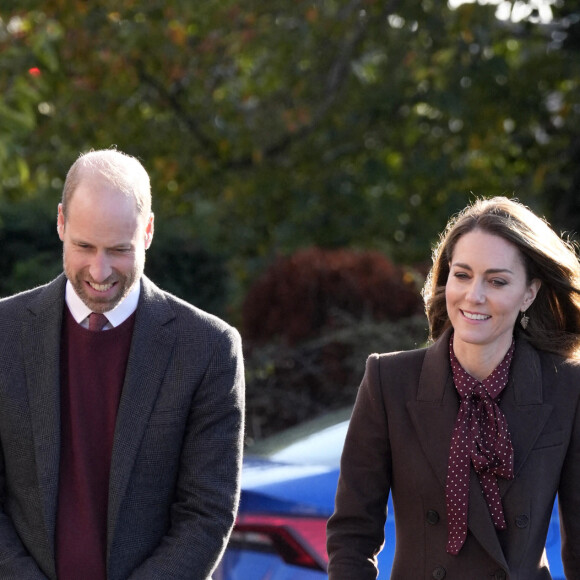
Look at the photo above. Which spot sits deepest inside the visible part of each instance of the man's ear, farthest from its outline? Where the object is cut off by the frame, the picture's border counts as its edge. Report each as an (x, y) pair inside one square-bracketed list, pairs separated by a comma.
[(149, 229), (60, 223)]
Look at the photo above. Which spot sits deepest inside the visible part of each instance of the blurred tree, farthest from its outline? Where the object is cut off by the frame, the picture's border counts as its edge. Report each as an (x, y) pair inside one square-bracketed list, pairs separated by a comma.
[(270, 126), (562, 180), (30, 246), (315, 291), (309, 323), (182, 266), (287, 384)]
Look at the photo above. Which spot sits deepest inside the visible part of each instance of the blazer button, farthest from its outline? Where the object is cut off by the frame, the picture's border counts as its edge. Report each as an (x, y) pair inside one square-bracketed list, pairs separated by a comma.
[(499, 575), (439, 573), (432, 517), (522, 521)]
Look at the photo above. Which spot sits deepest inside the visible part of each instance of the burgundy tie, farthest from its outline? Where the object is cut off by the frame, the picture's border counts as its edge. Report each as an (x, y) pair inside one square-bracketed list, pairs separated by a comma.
[(97, 321), (481, 438)]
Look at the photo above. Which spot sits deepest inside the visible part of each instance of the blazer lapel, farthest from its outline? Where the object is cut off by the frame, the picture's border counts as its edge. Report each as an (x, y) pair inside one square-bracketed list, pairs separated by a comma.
[(150, 353), (435, 409), (523, 406), (434, 413), (41, 347), (526, 415)]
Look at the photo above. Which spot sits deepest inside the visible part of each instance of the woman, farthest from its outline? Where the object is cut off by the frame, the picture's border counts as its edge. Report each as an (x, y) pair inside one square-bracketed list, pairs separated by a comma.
[(475, 435)]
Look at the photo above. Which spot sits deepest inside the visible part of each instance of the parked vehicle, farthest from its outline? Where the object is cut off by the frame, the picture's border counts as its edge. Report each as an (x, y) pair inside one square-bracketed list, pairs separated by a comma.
[(288, 486)]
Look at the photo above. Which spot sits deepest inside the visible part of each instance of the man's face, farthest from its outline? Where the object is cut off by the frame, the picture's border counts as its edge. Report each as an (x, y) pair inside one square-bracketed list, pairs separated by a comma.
[(104, 242)]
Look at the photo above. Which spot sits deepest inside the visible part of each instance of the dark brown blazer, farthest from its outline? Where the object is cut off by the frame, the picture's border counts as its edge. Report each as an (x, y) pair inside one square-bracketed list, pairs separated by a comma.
[(174, 483), (398, 442)]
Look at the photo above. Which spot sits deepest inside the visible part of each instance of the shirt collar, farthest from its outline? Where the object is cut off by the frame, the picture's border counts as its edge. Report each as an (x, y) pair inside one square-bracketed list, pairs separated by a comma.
[(493, 384), (116, 316)]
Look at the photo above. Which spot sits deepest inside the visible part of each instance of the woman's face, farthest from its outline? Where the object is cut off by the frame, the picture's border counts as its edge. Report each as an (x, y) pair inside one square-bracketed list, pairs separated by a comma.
[(485, 291)]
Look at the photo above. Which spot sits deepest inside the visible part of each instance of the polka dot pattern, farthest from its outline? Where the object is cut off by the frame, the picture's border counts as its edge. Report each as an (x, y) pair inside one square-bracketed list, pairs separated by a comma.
[(480, 438)]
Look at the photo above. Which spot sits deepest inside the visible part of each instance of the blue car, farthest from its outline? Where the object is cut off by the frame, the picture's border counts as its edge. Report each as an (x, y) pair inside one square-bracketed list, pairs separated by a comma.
[(288, 486)]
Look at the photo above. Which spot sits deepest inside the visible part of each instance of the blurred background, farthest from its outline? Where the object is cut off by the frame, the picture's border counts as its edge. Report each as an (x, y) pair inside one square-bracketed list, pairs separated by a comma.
[(304, 156)]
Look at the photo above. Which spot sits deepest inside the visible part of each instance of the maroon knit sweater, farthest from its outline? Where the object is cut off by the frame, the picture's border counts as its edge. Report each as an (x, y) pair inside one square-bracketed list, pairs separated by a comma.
[(92, 373)]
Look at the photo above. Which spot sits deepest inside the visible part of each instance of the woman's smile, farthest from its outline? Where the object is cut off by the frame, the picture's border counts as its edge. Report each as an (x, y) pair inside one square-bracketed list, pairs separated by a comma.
[(485, 292)]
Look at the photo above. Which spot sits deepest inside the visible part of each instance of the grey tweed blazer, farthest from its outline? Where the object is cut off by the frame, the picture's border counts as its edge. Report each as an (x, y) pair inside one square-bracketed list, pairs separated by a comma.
[(174, 485)]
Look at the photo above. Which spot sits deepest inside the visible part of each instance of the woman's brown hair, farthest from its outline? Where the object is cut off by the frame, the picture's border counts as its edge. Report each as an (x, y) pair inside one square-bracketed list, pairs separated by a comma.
[(554, 316)]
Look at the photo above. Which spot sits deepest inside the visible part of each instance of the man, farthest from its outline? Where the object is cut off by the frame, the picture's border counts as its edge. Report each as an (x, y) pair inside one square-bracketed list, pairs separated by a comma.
[(120, 448)]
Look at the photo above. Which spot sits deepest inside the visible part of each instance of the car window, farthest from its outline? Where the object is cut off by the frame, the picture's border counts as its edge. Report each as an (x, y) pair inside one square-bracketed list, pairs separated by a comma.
[(318, 441)]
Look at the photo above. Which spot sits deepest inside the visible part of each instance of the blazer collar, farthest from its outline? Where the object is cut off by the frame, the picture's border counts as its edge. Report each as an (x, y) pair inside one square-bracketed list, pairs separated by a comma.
[(150, 353), (436, 373), (40, 335), (435, 410)]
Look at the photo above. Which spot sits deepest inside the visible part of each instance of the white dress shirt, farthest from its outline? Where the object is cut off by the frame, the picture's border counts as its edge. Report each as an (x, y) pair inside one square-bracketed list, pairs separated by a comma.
[(116, 316)]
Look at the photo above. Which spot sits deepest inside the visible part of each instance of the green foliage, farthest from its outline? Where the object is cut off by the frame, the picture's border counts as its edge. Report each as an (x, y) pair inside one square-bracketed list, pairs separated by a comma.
[(31, 250), (276, 125), (180, 264)]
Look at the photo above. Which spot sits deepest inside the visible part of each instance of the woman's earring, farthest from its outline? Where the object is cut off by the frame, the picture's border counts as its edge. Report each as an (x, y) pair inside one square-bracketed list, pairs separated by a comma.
[(524, 320)]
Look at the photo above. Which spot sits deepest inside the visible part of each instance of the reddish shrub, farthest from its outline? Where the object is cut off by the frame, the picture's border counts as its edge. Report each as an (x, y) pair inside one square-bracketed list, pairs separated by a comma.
[(317, 289)]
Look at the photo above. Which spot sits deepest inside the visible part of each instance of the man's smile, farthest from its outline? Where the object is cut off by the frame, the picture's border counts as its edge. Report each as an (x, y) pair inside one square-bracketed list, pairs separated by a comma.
[(101, 287)]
